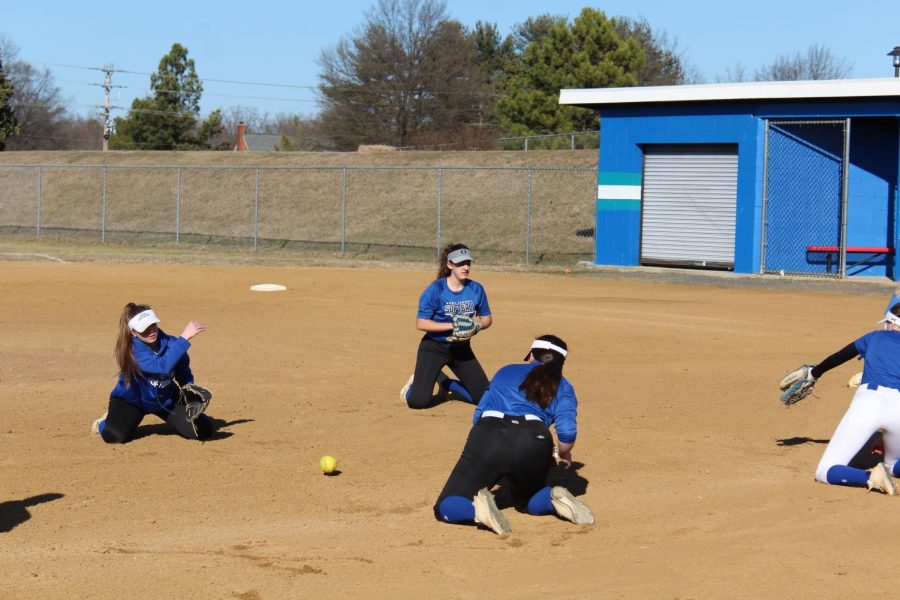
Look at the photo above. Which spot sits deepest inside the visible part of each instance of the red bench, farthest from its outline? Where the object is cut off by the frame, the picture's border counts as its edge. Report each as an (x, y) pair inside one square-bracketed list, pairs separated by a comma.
[(833, 252)]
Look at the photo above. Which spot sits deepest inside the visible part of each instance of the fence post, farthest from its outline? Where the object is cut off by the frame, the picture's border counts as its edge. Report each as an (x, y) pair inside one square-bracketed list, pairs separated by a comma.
[(177, 205), (765, 202), (103, 205), (343, 209), (440, 203), (526, 142), (573, 141), (845, 188), (528, 223), (37, 224), (256, 213)]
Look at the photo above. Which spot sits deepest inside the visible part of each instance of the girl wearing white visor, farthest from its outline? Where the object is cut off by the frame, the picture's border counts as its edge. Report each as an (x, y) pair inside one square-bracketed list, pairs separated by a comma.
[(452, 293), (152, 366), (875, 407), (511, 441)]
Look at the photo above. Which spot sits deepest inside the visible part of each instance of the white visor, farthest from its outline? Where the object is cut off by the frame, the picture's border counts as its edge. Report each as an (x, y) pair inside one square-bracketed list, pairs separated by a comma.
[(144, 319), (891, 318), (458, 256), (545, 345)]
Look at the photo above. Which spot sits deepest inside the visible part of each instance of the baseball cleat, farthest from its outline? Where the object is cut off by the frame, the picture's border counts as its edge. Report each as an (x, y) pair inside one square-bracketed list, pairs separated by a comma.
[(880, 480), (95, 427), (569, 507), (487, 513), (405, 389)]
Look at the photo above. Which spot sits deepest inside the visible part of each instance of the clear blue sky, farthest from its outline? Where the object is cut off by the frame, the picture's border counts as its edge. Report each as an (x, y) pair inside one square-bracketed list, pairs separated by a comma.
[(278, 42)]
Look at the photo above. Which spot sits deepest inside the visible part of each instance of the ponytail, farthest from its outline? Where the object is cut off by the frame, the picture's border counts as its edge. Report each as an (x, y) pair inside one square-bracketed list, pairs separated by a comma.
[(542, 382), (123, 352)]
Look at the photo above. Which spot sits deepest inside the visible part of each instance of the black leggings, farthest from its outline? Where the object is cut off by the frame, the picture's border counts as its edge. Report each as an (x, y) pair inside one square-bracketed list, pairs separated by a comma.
[(123, 419), (434, 356), (512, 447)]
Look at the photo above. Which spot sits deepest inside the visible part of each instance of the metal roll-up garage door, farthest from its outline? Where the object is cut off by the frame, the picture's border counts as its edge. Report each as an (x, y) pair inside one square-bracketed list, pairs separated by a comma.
[(689, 205)]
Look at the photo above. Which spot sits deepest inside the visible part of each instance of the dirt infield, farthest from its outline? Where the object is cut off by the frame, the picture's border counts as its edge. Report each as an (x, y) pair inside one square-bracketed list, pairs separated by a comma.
[(701, 481)]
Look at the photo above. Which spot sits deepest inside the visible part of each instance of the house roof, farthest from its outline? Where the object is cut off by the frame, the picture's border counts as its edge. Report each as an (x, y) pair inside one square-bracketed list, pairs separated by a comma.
[(755, 90), (262, 142)]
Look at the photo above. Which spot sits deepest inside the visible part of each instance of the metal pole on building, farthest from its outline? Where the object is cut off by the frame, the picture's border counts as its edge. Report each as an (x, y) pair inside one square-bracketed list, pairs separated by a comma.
[(765, 201), (845, 192), (896, 54)]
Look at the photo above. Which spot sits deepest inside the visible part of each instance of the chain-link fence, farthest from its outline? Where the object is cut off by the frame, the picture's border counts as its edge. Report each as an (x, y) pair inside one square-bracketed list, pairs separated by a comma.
[(805, 197), (575, 140), (507, 215)]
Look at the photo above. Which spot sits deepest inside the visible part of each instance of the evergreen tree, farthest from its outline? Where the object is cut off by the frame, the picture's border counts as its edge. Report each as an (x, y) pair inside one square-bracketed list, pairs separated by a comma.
[(168, 118), (8, 123), (588, 53)]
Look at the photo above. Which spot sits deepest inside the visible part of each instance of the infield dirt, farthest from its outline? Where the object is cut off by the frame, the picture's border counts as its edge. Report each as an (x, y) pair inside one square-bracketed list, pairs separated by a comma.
[(702, 483)]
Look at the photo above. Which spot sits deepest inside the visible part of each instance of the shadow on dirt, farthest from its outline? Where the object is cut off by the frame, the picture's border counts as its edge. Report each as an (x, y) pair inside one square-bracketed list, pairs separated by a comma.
[(15, 512)]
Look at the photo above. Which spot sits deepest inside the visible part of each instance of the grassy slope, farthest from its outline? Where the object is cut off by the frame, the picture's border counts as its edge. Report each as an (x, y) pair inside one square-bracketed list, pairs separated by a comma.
[(388, 210)]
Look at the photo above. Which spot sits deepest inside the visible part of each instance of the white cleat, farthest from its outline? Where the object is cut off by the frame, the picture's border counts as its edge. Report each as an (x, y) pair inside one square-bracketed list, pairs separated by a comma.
[(95, 427), (487, 513), (569, 507), (880, 480), (405, 389)]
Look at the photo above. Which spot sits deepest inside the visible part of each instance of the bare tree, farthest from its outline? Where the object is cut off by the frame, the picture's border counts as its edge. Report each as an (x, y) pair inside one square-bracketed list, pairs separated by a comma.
[(738, 75), (817, 63), (665, 62), (41, 111), (407, 70)]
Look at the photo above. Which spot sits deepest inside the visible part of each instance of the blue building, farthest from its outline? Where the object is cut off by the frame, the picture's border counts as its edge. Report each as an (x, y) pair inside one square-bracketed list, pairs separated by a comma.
[(762, 177)]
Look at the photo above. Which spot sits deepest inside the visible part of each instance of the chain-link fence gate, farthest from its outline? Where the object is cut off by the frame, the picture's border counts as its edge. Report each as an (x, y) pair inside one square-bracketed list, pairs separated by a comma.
[(507, 215), (805, 197)]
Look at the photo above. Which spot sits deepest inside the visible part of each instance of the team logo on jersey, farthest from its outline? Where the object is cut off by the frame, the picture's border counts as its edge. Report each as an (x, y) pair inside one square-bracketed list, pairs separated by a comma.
[(466, 307)]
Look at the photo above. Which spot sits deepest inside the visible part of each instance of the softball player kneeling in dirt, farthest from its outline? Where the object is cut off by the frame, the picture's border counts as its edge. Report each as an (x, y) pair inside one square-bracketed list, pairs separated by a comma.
[(875, 407), (452, 309), (154, 378), (511, 440)]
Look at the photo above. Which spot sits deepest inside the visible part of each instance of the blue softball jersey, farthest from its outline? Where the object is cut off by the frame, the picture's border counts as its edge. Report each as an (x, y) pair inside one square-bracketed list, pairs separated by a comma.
[(504, 395), (154, 388), (439, 303), (881, 351)]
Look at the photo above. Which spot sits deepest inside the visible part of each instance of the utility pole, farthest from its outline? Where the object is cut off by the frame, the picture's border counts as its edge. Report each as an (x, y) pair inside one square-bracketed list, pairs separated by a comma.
[(108, 70)]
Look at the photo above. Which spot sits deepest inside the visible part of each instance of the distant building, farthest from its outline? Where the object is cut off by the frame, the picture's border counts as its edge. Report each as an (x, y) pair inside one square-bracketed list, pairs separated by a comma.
[(266, 142), (260, 142)]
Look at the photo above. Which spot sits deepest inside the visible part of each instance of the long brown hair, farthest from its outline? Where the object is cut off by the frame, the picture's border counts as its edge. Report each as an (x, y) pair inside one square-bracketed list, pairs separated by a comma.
[(443, 269), (542, 382), (123, 352)]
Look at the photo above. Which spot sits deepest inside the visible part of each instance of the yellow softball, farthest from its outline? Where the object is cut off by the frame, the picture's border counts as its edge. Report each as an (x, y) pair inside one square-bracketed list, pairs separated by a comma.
[(328, 464)]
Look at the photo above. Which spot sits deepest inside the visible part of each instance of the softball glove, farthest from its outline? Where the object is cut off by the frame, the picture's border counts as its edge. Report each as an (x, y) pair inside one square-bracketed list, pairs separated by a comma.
[(464, 327), (195, 399), (797, 385)]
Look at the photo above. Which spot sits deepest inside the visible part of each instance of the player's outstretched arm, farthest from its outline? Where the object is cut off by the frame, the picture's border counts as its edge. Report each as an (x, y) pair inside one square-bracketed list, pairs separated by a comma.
[(192, 329)]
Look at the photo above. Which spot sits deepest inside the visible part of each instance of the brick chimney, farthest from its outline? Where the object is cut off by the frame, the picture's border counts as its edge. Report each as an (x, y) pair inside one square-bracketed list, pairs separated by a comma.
[(240, 144)]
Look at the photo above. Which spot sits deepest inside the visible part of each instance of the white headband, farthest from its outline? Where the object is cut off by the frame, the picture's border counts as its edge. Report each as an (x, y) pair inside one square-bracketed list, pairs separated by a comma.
[(891, 318), (545, 345), (144, 319)]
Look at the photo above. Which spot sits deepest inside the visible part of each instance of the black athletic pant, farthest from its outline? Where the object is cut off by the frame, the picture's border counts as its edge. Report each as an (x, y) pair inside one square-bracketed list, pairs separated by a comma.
[(434, 356), (123, 419), (519, 450)]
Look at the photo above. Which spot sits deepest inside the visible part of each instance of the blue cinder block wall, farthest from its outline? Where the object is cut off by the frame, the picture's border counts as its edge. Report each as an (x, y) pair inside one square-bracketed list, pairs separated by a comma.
[(624, 132), (626, 129)]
